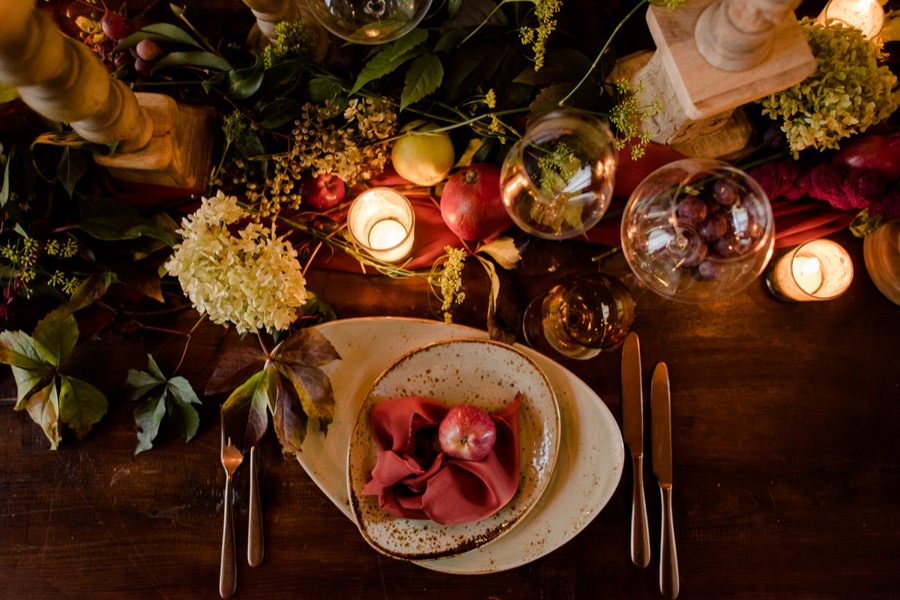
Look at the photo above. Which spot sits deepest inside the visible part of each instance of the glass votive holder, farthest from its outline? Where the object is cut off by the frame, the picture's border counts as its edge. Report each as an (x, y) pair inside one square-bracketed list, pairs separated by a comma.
[(382, 222), (815, 270), (865, 15)]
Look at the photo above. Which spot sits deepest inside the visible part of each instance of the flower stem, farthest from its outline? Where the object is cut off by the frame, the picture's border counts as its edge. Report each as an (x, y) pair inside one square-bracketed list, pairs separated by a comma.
[(603, 51)]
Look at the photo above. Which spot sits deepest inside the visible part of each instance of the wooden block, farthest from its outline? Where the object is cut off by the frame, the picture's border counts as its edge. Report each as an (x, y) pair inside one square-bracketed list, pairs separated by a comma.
[(179, 153), (703, 90)]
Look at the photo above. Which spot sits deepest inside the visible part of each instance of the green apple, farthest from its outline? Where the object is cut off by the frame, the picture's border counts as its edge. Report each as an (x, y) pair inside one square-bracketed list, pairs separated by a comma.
[(422, 157)]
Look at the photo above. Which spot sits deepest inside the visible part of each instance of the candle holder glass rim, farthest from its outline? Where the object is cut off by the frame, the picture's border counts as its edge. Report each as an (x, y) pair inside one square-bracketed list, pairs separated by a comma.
[(363, 197), (793, 252)]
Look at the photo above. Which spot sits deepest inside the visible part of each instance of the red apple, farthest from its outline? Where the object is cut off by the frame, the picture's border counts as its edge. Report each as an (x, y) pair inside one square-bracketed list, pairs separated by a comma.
[(467, 432), (471, 205), (322, 192)]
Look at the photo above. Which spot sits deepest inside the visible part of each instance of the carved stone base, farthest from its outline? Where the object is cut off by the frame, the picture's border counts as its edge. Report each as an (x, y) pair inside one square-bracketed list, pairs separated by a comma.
[(179, 153)]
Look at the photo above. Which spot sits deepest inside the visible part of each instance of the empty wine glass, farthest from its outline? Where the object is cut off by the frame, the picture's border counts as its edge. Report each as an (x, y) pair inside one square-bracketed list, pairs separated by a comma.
[(557, 180), (697, 230), (369, 21), (580, 317)]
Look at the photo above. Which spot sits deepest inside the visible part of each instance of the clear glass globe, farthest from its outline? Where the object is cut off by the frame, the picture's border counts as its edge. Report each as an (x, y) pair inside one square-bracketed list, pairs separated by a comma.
[(369, 21), (697, 230), (557, 180)]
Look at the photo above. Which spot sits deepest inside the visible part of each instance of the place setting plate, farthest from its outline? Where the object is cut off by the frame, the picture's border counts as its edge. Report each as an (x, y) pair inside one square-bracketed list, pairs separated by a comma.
[(478, 372), (589, 461)]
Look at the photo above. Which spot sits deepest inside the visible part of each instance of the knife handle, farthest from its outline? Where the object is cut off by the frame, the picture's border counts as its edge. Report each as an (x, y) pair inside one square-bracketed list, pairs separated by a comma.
[(640, 533), (255, 545), (668, 555)]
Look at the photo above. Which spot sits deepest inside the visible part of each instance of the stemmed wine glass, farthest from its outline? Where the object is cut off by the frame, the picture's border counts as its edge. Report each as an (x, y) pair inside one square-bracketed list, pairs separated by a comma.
[(697, 230), (582, 316)]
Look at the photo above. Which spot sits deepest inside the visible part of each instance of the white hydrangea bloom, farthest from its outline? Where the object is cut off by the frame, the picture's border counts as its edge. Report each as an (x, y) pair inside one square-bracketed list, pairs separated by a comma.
[(248, 277)]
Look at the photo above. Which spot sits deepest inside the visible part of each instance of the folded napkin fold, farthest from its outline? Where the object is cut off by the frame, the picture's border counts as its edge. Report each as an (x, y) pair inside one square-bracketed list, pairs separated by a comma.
[(414, 480)]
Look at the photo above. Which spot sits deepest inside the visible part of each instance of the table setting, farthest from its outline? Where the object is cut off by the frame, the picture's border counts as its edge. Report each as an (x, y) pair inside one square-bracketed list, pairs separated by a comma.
[(320, 299)]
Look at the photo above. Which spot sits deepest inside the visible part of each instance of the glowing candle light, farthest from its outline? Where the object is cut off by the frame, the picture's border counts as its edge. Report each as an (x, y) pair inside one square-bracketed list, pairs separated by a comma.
[(382, 222), (816, 270), (865, 15)]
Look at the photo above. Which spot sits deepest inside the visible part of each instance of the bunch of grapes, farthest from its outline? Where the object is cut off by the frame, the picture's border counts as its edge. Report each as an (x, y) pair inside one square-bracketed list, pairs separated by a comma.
[(715, 225), (103, 35)]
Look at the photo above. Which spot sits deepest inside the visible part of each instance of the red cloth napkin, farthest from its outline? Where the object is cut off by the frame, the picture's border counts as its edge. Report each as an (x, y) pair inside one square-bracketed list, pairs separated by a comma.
[(412, 482)]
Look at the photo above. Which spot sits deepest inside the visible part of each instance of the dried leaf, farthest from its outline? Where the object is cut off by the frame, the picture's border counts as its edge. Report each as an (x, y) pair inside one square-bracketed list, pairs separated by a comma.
[(289, 420), (234, 367), (306, 347)]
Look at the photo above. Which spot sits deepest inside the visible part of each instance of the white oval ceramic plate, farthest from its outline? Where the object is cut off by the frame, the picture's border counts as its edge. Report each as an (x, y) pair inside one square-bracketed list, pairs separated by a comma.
[(588, 468), (483, 373)]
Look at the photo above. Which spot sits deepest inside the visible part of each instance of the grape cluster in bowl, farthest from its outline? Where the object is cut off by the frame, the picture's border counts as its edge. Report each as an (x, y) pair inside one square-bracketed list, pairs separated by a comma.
[(697, 230)]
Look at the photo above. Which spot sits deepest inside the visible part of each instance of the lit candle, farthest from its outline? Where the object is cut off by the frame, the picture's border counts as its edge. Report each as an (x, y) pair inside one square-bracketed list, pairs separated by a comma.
[(816, 270), (865, 15), (382, 222)]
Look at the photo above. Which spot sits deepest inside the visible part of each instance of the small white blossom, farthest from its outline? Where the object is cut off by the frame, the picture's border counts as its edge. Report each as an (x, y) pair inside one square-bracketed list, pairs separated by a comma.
[(237, 270)]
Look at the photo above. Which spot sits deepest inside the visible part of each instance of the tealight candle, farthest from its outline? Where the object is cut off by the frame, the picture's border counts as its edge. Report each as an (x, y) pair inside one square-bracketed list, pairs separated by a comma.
[(865, 15), (382, 222), (816, 270)]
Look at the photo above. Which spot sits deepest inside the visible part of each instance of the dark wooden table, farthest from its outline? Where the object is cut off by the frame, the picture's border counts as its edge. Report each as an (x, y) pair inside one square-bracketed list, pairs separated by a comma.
[(787, 467)]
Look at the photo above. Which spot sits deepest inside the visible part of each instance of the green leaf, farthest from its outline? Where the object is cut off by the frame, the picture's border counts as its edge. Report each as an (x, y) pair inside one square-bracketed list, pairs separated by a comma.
[(159, 32), (72, 167), (251, 398), (243, 83), (200, 59), (89, 291), (172, 398), (81, 405), (320, 89), (107, 219), (4, 189), (17, 350), (147, 417), (57, 333), (390, 58), (280, 111), (561, 65), (423, 77), (449, 40), (43, 408), (473, 13), (453, 7)]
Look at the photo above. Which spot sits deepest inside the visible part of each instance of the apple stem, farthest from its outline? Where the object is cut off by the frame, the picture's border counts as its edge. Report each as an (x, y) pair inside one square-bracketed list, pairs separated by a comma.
[(471, 176)]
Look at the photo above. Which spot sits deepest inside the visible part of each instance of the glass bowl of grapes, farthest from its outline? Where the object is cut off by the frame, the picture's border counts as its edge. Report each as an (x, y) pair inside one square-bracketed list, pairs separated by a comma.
[(557, 180), (697, 230)]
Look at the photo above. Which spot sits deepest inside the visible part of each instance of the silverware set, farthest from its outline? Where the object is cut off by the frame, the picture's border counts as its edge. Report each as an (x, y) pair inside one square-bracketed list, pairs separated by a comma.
[(232, 457), (661, 441)]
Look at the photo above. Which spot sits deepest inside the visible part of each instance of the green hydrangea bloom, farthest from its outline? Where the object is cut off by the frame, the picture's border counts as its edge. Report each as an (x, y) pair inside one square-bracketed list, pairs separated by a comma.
[(849, 92)]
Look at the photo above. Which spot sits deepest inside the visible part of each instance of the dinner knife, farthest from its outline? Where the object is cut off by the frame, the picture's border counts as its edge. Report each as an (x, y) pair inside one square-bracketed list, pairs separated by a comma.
[(661, 431), (633, 432)]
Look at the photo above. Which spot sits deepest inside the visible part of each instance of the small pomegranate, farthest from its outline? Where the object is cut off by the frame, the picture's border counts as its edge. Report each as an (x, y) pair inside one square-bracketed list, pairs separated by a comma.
[(471, 205)]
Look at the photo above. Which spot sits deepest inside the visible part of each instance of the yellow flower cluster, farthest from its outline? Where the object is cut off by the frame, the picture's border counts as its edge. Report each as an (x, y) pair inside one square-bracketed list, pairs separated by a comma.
[(237, 270), (351, 144), (545, 11)]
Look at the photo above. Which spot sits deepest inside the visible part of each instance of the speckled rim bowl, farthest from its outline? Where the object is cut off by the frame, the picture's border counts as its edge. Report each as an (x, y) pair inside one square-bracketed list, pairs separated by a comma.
[(465, 371)]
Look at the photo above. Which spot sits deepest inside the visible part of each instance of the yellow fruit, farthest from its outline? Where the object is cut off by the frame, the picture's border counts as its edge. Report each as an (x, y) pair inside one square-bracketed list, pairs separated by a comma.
[(423, 158)]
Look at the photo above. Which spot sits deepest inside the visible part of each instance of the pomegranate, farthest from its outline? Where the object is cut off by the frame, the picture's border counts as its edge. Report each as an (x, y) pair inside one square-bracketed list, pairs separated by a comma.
[(471, 205)]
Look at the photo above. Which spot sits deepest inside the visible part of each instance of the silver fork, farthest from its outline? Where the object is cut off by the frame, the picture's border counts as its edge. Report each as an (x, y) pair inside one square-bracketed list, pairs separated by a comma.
[(232, 458)]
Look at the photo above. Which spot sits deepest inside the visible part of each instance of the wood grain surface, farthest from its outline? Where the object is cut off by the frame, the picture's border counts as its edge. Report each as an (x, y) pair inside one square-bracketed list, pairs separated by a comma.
[(785, 441)]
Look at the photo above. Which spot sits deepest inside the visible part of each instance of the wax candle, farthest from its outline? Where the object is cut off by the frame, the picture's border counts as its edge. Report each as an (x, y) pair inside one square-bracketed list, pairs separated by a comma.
[(865, 15), (382, 222), (816, 270)]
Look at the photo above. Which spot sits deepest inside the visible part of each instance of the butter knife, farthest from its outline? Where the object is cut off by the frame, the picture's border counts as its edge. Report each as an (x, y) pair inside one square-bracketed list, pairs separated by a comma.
[(633, 433), (661, 426), (255, 520)]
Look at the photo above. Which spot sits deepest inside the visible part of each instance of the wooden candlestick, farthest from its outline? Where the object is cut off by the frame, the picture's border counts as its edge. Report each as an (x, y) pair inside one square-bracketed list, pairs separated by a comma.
[(58, 77), (712, 57), (269, 13)]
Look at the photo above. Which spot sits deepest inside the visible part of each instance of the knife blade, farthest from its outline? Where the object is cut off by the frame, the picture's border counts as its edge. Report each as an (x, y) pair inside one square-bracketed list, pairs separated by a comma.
[(661, 432), (633, 434)]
